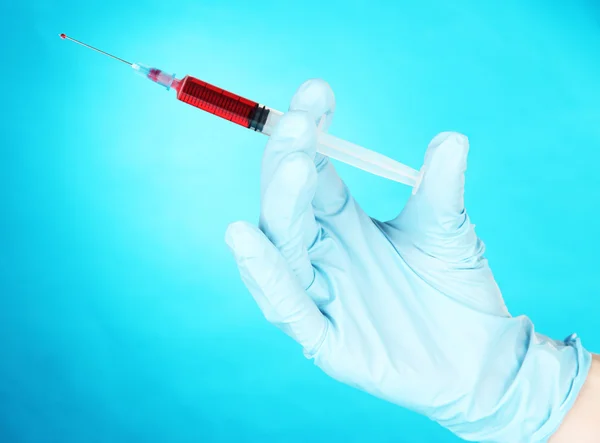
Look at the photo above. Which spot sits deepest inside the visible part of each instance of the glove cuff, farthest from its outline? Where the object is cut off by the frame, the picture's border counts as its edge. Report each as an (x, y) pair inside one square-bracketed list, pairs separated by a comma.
[(570, 378), (535, 400)]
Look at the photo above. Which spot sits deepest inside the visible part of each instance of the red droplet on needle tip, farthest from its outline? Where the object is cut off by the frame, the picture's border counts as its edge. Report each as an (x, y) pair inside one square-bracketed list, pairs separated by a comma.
[(63, 36)]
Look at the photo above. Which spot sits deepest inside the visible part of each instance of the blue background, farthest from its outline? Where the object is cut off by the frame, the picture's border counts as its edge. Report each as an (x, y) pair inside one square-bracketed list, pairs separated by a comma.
[(122, 317)]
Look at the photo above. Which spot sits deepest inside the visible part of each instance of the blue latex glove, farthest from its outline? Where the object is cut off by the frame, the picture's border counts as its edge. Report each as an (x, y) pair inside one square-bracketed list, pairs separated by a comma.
[(406, 310)]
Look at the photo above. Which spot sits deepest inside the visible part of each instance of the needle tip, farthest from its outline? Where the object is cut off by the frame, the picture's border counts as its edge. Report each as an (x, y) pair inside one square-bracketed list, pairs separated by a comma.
[(63, 36)]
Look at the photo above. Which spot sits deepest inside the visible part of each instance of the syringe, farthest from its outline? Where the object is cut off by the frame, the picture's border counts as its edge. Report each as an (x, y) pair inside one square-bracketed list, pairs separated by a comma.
[(263, 119)]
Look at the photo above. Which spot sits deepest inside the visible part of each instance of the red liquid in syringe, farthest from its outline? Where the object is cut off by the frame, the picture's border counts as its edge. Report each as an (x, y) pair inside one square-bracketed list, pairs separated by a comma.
[(213, 99)]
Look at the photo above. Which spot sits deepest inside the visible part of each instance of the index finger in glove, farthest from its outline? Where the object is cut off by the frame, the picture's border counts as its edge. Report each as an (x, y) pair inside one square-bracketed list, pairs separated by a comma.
[(288, 184), (316, 97)]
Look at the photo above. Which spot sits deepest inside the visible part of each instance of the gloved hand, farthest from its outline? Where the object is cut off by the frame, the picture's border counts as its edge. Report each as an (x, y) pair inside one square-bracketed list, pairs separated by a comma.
[(407, 310)]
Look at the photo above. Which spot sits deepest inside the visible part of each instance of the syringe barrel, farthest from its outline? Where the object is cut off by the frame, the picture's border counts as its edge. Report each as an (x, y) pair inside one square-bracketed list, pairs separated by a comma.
[(263, 119), (223, 104)]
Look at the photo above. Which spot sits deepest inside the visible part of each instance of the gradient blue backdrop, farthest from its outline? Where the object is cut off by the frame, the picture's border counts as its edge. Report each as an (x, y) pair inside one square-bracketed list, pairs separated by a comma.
[(122, 318)]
